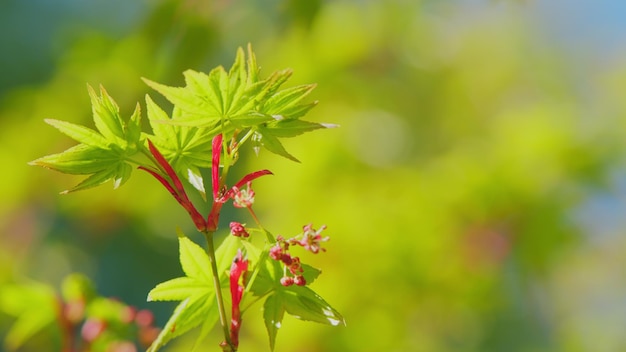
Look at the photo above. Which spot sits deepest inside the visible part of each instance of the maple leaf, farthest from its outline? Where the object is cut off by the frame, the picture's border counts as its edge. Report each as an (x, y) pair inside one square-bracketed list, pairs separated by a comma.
[(102, 154), (195, 290)]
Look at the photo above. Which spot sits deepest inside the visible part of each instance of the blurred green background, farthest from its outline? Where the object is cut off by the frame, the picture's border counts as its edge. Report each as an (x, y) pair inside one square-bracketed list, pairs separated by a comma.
[(474, 193)]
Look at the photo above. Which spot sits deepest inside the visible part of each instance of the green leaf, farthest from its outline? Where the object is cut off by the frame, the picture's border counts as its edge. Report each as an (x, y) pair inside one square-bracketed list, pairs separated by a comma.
[(225, 253), (198, 305), (102, 154), (80, 133), (291, 128), (81, 159), (106, 115), (182, 98), (250, 119), (303, 303), (193, 259), (77, 287), (286, 99), (34, 306), (178, 289), (187, 148), (273, 313), (94, 180), (189, 314), (266, 139)]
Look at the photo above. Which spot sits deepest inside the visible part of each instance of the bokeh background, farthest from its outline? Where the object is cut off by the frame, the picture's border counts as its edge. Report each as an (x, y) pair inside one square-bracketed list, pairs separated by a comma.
[(475, 192)]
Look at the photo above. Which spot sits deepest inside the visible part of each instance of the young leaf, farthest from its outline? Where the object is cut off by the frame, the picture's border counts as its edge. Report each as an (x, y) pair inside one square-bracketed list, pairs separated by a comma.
[(303, 303), (300, 302), (291, 128), (195, 291), (106, 115), (186, 148), (102, 154), (266, 139), (286, 99), (80, 133), (198, 305), (273, 313)]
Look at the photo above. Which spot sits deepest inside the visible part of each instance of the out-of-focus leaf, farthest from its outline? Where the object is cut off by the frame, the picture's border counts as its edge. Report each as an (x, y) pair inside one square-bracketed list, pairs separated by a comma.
[(34, 306), (77, 287)]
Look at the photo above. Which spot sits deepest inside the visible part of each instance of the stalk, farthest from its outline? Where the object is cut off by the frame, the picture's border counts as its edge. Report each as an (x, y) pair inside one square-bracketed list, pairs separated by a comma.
[(218, 291)]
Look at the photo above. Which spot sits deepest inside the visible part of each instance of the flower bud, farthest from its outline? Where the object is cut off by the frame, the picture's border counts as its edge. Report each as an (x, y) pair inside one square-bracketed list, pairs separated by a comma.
[(299, 280), (238, 230), (286, 281)]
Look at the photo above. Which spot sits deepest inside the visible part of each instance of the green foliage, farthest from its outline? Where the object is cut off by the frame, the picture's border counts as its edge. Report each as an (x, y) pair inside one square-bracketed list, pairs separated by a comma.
[(230, 103), (35, 307), (195, 291), (213, 114), (103, 154), (469, 185), (83, 319)]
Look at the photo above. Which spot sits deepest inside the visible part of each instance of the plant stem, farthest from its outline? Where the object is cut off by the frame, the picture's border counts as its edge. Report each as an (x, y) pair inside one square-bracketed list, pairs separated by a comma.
[(218, 291)]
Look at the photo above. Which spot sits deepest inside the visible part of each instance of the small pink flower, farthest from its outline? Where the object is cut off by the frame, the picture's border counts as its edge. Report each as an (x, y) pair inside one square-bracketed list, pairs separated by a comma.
[(312, 239), (276, 252), (286, 281), (238, 230), (295, 267), (299, 280), (243, 198)]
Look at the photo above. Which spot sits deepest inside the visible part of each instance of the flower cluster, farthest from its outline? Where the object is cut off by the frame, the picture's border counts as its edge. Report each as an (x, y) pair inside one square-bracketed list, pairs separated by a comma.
[(310, 239), (238, 229)]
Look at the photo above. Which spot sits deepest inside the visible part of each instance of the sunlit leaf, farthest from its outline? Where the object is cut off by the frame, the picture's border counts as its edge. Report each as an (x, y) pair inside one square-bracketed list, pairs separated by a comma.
[(291, 128), (193, 259), (303, 303), (271, 143), (80, 133), (273, 313), (198, 305), (102, 154)]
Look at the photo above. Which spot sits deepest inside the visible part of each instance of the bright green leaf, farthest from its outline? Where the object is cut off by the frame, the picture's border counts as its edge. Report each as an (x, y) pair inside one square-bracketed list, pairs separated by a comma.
[(80, 133), (225, 253), (94, 180), (291, 128), (106, 115), (286, 99), (303, 303), (272, 144), (79, 160), (189, 314), (178, 289), (273, 313), (198, 305), (193, 259)]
